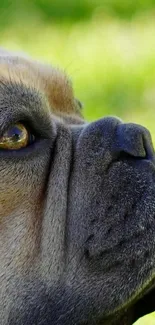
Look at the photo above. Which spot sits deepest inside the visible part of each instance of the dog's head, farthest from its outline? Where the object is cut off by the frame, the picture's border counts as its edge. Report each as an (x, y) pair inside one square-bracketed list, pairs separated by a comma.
[(77, 206)]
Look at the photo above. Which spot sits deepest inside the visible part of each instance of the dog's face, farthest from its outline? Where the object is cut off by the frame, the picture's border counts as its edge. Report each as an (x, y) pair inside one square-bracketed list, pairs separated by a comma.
[(77, 206)]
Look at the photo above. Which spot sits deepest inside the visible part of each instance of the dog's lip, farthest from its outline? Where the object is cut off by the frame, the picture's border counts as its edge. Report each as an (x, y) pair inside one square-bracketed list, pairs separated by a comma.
[(140, 306), (150, 288), (136, 298)]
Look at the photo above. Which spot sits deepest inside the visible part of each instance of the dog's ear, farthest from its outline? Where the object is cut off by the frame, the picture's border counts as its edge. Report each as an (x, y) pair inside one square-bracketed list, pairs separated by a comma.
[(52, 82), (7, 53)]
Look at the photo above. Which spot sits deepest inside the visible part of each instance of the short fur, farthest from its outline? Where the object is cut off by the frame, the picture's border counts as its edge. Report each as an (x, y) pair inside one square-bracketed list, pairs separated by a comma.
[(77, 207)]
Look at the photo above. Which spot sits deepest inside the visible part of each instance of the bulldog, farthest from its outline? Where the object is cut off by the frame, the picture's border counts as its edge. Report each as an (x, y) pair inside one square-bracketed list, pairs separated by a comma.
[(77, 206)]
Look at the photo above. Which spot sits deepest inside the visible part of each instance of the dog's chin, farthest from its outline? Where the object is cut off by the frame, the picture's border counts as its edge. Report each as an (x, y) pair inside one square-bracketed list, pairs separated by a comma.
[(139, 307), (146, 302)]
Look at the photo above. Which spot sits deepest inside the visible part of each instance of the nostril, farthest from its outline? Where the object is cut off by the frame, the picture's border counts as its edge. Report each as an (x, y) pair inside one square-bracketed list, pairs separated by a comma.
[(134, 140)]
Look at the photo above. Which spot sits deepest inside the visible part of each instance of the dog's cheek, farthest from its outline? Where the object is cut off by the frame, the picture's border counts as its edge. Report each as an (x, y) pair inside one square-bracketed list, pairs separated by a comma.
[(16, 190), (21, 200), (22, 182)]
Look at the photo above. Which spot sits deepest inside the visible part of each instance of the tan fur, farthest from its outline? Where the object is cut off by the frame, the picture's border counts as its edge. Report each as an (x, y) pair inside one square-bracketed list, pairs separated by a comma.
[(54, 83)]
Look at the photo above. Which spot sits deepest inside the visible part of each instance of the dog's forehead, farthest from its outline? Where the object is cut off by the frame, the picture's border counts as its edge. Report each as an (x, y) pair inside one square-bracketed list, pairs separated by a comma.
[(50, 81)]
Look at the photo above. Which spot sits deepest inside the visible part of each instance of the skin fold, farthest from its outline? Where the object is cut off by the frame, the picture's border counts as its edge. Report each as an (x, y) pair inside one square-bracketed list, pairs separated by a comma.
[(77, 206)]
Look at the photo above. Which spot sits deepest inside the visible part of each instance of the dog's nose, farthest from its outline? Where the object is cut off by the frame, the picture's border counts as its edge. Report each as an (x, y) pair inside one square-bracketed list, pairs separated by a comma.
[(134, 140)]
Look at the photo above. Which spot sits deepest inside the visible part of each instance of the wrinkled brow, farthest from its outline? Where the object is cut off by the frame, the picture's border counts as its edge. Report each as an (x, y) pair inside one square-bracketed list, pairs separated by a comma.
[(51, 81), (21, 103)]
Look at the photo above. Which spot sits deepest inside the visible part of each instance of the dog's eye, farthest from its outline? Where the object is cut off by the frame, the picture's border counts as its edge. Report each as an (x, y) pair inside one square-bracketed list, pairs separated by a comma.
[(16, 137)]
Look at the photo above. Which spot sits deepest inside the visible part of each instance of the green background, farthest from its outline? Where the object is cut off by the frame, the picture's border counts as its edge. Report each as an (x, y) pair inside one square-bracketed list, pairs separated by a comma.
[(106, 47)]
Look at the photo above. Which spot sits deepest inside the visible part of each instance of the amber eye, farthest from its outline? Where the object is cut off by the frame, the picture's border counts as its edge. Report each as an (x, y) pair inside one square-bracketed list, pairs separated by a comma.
[(16, 137)]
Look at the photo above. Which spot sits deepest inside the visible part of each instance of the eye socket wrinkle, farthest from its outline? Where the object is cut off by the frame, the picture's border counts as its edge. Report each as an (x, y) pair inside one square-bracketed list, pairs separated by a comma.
[(21, 103)]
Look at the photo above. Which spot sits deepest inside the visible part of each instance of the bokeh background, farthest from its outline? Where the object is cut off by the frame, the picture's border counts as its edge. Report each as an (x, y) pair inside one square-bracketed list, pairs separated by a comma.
[(106, 46)]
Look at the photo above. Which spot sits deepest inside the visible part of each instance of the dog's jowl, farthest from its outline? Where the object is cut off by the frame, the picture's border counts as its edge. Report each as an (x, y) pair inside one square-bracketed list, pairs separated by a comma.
[(77, 206)]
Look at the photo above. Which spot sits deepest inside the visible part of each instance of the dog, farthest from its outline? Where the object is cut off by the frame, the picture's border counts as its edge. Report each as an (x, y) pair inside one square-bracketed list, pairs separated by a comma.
[(77, 206)]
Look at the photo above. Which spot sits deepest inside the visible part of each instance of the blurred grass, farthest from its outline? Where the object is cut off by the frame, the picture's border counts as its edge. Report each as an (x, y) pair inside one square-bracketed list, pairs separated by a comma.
[(146, 320), (107, 47)]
